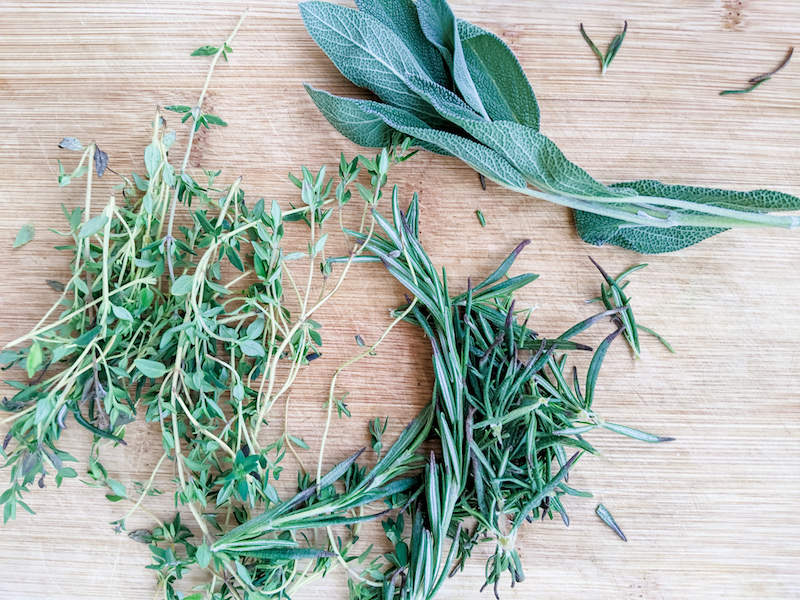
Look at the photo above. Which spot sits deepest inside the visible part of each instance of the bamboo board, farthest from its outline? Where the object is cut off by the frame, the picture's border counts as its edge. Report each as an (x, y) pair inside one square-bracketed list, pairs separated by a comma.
[(711, 515)]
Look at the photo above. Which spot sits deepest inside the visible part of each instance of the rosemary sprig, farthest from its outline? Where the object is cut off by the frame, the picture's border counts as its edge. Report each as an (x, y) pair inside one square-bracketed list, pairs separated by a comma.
[(510, 423), (612, 50)]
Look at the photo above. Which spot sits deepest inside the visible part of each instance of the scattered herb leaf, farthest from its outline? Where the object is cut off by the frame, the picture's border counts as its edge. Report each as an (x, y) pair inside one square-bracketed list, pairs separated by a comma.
[(24, 235), (605, 515)]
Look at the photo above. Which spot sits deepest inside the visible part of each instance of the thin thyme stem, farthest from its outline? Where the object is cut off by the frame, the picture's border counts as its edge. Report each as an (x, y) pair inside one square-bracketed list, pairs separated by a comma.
[(188, 152), (145, 490)]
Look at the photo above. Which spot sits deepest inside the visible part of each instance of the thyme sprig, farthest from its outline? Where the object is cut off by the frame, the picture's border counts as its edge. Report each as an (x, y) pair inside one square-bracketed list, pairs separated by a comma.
[(201, 326)]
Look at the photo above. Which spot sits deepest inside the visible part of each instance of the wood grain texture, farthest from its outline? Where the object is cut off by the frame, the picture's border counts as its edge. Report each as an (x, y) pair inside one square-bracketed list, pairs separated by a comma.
[(711, 515)]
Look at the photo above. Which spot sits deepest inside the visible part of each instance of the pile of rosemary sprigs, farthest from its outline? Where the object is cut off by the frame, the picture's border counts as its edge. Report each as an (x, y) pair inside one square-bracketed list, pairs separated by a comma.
[(152, 325)]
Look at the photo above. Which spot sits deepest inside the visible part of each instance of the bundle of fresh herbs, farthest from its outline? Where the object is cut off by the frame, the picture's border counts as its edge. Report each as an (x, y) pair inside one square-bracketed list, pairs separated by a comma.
[(508, 412), (459, 90), (200, 324)]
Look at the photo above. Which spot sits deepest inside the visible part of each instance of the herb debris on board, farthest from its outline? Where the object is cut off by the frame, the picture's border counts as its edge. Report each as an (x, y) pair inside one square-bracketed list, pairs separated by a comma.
[(760, 79), (612, 50), (192, 325), (473, 101)]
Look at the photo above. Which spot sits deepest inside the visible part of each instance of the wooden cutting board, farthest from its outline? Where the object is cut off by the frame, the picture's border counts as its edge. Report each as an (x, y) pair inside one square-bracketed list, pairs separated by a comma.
[(711, 515)]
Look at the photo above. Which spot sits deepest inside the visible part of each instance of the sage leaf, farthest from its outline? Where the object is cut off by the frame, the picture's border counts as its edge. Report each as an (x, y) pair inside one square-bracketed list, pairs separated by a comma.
[(501, 83), (401, 17), (440, 27), (150, 368), (368, 53), (24, 235), (349, 117), (599, 230), (479, 157)]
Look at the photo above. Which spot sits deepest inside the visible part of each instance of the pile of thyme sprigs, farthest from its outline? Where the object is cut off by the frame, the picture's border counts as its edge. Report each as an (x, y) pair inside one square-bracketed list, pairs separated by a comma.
[(151, 323)]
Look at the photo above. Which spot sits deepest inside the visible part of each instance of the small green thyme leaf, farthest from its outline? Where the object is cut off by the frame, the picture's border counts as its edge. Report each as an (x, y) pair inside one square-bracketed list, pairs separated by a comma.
[(481, 218), (92, 226), (205, 51), (150, 368), (24, 235)]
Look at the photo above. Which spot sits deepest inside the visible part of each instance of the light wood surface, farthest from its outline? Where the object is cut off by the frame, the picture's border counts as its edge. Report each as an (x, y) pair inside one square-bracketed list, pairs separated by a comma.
[(711, 515)]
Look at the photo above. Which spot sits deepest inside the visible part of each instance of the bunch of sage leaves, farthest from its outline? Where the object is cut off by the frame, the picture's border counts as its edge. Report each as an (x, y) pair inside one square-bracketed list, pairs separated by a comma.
[(459, 90)]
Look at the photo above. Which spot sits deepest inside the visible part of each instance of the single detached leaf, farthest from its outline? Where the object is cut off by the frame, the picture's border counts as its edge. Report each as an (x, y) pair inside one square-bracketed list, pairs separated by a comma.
[(205, 51), (150, 368), (24, 235), (592, 45), (636, 434), (605, 515), (746, 90), (614, 47), (100, 161), (92, 226), (70, 143)]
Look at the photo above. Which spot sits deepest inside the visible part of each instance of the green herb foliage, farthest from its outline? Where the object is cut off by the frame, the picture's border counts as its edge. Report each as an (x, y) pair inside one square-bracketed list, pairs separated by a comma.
[(759, 79), (612, 50), (510, 416), (605, 515), (484, 112), (201, 325), (24, 235)]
